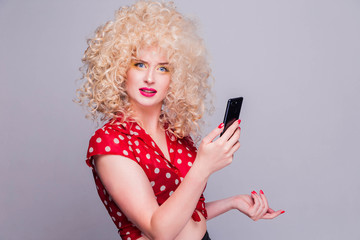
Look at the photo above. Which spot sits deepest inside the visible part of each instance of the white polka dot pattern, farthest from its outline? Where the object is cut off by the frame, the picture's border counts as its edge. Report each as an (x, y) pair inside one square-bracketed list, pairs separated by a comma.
[(165, 175)]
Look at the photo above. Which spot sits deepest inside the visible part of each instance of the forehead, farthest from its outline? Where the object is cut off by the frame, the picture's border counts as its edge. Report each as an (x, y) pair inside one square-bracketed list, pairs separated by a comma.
[(152, 54)]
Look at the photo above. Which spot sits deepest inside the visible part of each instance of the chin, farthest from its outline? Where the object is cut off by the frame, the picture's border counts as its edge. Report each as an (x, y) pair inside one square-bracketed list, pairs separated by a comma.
[(149, 104)]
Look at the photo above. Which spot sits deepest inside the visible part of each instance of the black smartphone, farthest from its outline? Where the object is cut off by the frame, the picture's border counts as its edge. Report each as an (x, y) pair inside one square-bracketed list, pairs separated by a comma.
[(232, 112)]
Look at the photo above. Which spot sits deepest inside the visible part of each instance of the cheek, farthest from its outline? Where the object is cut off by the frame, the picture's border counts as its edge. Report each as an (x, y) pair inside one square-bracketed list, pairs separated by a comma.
[(130, 80), (166, 84), (167, 80)]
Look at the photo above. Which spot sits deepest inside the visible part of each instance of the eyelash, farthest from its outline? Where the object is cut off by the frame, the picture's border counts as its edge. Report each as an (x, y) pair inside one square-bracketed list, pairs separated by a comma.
[(141, 63), (165, 69), (137, 64)]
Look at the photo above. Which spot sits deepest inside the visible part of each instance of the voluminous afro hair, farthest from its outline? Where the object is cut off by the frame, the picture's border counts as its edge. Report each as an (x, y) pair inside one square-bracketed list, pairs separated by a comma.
[(115, 44)]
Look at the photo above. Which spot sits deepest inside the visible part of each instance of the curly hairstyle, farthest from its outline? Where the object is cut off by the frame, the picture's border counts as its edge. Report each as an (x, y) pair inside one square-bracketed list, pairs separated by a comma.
[(115, 44)]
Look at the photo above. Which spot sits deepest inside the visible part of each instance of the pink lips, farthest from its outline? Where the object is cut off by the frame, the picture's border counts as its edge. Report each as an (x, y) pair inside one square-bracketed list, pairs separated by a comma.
[(148, 92)]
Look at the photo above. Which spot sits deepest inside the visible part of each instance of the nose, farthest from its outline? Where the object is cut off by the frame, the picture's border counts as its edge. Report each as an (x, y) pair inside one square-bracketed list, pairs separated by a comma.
[(149, 77)]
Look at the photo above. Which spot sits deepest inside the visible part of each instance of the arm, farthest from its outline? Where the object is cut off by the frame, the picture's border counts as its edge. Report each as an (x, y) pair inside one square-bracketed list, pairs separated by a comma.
[(131, 190), (121, 176), (255, 206), (219, 207)]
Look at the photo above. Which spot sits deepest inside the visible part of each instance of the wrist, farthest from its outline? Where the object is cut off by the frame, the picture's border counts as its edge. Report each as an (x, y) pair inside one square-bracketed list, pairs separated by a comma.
[(200, 171), (236, 202)]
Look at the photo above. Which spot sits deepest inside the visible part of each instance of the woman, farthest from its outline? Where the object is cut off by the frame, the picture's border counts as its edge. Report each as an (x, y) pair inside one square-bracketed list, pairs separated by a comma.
[(146, 72)]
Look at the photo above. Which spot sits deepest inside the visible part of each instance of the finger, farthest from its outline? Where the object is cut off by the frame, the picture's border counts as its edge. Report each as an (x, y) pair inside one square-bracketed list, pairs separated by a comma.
[(260, 212), (213, 134), (263, 197), (270, 210), (256, 201), (234, 138), (230, 131), (234, 148), (273, 215)]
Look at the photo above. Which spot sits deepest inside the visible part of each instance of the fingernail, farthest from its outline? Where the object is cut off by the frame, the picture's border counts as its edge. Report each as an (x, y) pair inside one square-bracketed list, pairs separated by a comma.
[(253, 192), (282, 212), (261, 192), (239, 121), (221, 125)]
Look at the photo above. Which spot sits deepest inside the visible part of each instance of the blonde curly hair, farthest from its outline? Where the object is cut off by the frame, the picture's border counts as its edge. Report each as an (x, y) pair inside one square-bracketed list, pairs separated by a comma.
[(110, 52)]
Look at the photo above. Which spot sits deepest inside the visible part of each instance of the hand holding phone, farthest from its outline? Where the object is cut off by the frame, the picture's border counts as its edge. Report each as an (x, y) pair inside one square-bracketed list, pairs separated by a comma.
[(232, 112)]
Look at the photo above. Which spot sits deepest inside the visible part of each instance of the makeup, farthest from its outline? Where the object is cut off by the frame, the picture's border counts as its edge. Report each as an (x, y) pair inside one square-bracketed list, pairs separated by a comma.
[(147, 92)]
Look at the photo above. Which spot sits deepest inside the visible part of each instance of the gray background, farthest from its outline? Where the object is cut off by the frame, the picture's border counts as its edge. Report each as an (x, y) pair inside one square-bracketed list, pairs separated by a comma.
[(295, 62)]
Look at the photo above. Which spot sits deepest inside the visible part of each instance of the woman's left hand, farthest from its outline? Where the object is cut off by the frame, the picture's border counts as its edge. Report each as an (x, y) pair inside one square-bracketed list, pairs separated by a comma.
[(255, 206)]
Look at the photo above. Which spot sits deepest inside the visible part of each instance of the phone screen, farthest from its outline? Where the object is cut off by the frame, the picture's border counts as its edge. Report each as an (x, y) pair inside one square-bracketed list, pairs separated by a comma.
[(232, 112)]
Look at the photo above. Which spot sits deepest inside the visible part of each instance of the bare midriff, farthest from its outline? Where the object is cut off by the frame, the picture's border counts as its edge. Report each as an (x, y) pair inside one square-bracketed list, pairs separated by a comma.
[(192, 230)]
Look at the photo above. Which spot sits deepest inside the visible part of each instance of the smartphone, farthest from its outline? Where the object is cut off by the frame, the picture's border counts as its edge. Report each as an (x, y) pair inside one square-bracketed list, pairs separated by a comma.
[(232, 112)]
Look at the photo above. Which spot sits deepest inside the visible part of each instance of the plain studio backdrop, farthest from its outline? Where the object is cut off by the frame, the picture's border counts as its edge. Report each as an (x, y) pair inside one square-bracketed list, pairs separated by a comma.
[(296, 63)]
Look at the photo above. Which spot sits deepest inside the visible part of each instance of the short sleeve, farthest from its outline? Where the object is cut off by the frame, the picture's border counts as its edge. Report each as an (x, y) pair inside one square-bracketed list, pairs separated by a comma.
[(107, 141)]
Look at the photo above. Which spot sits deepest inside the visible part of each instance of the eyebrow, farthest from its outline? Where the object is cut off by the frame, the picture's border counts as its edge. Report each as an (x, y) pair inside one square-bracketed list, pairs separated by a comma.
[(140, 60)]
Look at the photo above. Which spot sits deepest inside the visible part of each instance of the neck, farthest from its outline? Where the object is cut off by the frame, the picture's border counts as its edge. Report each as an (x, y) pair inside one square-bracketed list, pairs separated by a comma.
[(148, 118)]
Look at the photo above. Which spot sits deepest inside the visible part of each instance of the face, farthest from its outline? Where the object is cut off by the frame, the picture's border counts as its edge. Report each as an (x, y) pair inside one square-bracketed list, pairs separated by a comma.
[(148, 79)]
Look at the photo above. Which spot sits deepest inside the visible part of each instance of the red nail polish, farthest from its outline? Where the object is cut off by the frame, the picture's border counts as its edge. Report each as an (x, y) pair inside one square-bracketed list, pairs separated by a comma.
[(253, 192), (221, 125), (282, 212), (261, 192), (239, 121)]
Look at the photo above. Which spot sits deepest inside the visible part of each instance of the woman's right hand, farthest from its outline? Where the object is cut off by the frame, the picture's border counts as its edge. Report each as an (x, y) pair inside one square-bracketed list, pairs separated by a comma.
[(255, 206), (214, 155)]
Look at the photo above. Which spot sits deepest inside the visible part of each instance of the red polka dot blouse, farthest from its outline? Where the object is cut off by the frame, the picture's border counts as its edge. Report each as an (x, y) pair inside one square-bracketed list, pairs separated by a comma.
[(131, 141)]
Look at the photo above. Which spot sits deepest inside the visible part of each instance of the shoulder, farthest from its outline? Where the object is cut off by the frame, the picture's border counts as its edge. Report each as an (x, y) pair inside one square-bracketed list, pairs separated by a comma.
[(109, 140)]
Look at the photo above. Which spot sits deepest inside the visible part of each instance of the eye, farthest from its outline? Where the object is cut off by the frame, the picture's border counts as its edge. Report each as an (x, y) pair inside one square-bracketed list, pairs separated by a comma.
[(163, 69), (140, 65)]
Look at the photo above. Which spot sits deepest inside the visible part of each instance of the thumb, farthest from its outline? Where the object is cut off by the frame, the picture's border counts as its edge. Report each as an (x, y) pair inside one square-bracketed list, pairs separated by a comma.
[(214, 133)]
